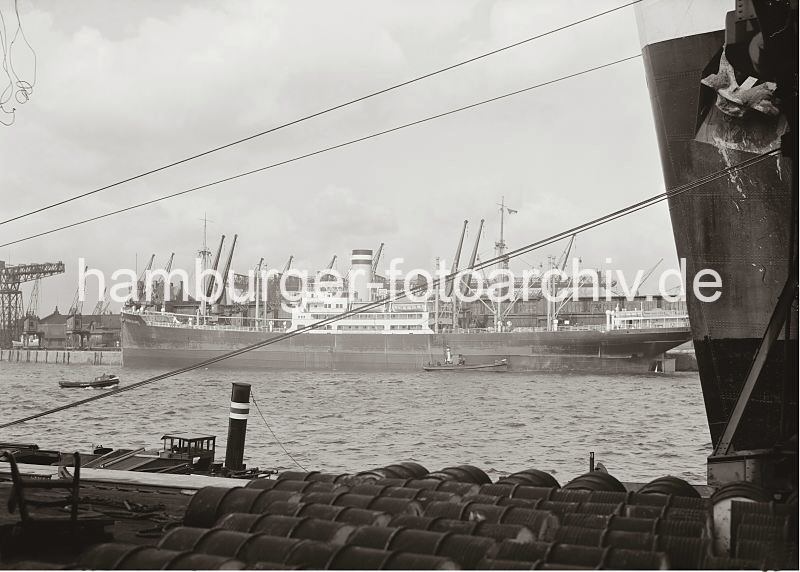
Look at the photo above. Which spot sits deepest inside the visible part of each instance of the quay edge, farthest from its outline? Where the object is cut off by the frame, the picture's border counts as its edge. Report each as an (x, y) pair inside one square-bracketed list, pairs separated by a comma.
[(61, 357)]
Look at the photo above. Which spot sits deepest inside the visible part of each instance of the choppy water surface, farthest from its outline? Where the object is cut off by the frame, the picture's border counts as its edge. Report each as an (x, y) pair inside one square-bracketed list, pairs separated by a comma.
[(640, 427)]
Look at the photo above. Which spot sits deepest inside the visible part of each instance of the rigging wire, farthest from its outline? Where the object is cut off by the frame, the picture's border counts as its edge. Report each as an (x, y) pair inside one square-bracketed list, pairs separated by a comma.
[(319, 113), (278, 441), (609, 217), (9, 88), (25, 88), (20, 89), (323, 150)]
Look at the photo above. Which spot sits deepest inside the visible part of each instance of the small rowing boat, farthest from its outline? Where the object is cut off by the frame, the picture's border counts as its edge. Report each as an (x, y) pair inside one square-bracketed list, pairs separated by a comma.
[(100, 382), (496, 365)]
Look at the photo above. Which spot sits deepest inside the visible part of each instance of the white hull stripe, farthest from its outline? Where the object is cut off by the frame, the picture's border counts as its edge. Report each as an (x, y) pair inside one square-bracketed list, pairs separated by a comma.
[(240, 405), (238, 416)]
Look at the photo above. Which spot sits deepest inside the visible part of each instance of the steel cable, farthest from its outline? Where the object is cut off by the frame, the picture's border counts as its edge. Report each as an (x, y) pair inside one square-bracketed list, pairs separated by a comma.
[(319, 113), (605, 219)]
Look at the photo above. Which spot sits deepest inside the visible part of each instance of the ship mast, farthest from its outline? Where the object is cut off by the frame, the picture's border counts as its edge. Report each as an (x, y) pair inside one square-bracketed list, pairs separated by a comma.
[(551, 313), (500, 245), (205, 256), (502, 264), (436, 303)]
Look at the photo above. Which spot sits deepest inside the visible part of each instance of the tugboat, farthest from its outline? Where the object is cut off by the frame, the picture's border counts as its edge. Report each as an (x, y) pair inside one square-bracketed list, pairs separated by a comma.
[(461, 364), (100, 382)]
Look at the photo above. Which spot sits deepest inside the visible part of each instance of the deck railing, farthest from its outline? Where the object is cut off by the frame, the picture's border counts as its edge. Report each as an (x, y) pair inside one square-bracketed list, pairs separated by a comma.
[(629, 320), (194, 322)]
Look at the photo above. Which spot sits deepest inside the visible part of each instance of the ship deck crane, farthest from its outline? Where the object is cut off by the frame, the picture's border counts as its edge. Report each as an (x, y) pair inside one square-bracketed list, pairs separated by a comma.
[(333, 261), (11, 295)]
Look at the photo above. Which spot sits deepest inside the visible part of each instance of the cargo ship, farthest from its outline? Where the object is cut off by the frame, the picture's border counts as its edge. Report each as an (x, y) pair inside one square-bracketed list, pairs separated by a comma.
[(722, 78), (395, 336)]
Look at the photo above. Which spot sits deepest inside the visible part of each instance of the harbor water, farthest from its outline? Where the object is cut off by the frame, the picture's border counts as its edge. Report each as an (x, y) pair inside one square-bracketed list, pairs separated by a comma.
[(639, 426)]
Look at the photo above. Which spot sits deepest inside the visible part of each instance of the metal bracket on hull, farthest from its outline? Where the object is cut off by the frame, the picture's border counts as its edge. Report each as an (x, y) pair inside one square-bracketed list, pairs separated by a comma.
[(766, 467), (779, 316)]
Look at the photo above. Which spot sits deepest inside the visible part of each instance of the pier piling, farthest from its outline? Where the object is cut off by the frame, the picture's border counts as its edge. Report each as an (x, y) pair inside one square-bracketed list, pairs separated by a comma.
[(237, 426)]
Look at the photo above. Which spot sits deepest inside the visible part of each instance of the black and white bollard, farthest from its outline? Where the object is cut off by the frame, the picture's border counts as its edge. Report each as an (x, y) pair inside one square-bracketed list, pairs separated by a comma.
[(237, 426)]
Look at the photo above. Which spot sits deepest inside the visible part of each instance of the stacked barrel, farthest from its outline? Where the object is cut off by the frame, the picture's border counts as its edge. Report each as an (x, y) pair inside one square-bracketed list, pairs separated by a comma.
[(404, 517)]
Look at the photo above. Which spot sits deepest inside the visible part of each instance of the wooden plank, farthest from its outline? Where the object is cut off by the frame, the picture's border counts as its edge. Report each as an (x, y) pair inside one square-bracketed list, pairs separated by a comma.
[(110, 476)]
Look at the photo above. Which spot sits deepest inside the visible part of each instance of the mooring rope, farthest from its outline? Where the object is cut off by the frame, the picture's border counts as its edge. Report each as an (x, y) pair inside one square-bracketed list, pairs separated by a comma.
[(274, 436)]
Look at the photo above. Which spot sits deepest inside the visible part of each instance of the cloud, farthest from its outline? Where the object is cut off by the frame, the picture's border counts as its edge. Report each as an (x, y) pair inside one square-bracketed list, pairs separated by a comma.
[(340, 212), (126, 87)]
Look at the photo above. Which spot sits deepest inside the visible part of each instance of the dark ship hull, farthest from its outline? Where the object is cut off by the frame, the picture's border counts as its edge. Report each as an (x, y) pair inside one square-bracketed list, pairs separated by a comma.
[(738, 225), (615, 351)]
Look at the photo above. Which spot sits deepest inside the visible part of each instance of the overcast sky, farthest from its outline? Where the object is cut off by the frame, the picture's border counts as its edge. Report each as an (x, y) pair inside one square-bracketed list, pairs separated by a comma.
[(124, 86)]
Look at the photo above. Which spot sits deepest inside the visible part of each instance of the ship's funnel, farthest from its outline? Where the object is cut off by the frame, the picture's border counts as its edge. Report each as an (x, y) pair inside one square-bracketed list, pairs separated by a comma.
[(360, 274)]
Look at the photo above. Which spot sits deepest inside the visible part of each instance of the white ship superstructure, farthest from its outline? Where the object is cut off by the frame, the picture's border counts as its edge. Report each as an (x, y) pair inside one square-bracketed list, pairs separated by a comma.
[(391, 318)]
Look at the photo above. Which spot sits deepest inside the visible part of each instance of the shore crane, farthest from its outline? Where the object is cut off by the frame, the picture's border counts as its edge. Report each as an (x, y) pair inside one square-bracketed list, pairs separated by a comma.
[(221, 298), (210, 286), (168, 267), (157, 292), (562, 261), (11, 304), (456, 260), (274, 296), (140, 281), (377, 258), (449, 282), (32, 310), (464, 284), (77, 304), (647, 276), (102, 303), (644, 279)]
